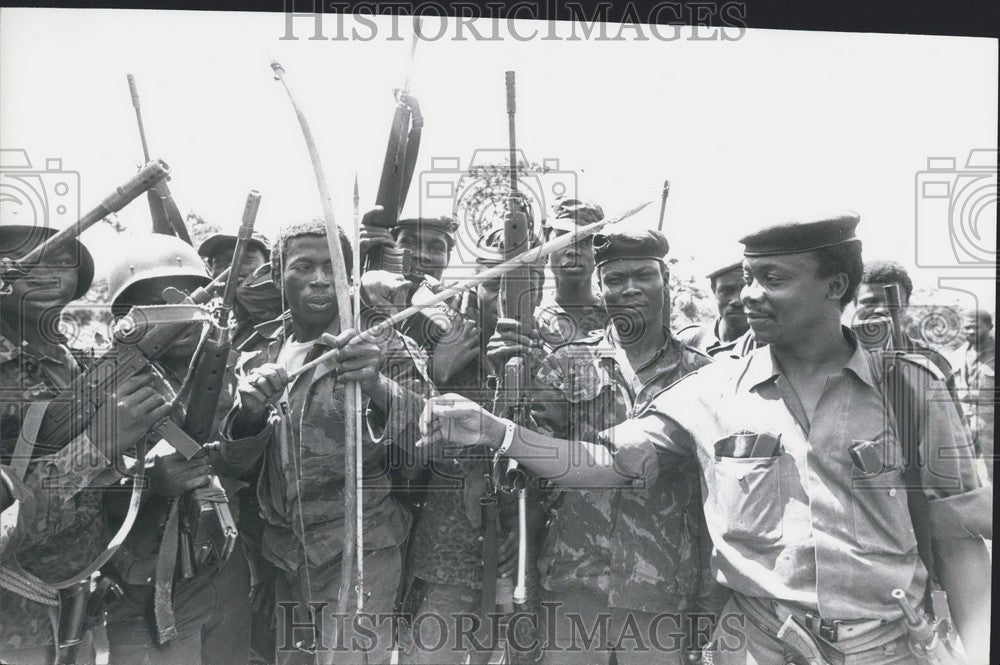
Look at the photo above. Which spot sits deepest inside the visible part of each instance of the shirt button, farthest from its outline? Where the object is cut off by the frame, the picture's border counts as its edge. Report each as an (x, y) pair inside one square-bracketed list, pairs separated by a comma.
[(892, 492)]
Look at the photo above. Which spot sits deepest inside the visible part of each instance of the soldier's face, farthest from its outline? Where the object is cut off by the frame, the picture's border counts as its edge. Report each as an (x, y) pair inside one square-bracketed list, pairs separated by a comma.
[(728, 287), (307, 277), (634, 288), (871, 301), (49, 284), (785, 298), (572, 263), (429, 249), (976, 328)]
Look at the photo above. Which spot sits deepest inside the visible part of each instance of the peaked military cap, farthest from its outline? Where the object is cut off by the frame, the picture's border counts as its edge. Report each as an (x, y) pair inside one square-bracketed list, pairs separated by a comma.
[(222, 242), (723, 270), (630, 245), (571, 213), (801, 236), (445, 224)]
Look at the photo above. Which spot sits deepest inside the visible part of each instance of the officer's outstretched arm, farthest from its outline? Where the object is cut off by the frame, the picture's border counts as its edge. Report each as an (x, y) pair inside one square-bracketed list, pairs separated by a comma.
[(623, 454)]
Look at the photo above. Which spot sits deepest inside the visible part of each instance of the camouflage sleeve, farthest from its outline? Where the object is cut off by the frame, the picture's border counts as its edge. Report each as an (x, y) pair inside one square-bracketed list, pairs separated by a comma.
[(17, 503), (240, 454), (549, 407), (78, 466), (406, 379)]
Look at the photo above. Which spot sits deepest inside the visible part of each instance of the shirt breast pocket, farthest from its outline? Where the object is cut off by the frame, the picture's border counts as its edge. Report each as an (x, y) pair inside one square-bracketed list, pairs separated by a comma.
[(748, 498), (881, 516)]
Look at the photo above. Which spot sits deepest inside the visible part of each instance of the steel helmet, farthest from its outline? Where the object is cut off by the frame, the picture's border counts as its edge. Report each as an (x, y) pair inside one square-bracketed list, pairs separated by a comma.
[(158, 256), (20, 239)]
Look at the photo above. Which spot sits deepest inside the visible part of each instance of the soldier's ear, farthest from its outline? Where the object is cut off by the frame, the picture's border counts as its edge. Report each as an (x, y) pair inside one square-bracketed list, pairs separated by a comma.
[(837, 286)]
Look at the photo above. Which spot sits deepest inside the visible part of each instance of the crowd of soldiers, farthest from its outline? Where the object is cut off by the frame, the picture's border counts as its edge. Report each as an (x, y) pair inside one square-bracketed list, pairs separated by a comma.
[(692, 494)]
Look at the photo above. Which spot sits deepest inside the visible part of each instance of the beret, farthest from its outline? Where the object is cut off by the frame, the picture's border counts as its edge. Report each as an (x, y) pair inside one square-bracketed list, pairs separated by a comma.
[(224, 242), (801, 236), (723, 270), (19, 239), (630, 245), (567, 214), (444, 224), (489, 248)]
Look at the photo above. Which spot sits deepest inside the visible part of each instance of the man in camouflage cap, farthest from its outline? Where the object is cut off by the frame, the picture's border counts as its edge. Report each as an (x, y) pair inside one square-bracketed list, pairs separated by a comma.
[(599, 554), (718, 335), (572, 311), (804, 499)]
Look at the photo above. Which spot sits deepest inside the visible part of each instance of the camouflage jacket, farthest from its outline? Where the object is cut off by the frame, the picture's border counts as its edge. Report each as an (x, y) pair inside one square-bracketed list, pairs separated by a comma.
[(65, 531), (557, 326), (641, 546), (445, 546), (705, 337), (302, 479)]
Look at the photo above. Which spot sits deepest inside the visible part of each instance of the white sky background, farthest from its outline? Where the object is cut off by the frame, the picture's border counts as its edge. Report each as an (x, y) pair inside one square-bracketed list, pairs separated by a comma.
[(747, 131)]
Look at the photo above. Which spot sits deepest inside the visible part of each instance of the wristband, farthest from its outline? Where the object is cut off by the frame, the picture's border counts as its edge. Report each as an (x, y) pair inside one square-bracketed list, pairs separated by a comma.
[(508, 437)]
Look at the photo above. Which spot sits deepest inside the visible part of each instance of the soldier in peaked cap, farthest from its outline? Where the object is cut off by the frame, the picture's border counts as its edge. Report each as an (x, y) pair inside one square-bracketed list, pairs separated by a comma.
[(807, 526), (718, 335), (573, 310)]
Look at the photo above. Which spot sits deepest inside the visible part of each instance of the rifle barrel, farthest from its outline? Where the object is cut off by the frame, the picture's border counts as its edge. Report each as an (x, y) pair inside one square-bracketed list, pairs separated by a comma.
[(242, 239), (147, 177), (134, 91), (526, 258)]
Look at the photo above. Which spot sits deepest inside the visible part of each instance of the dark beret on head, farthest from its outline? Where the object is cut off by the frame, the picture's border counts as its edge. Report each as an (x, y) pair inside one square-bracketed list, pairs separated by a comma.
[(568, 214), (225, 242), (723, 270), (798, 236), (630, 245), (445, 224)]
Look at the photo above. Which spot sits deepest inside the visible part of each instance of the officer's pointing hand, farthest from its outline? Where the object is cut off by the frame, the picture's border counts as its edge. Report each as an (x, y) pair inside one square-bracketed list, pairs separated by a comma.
[(452, 420)]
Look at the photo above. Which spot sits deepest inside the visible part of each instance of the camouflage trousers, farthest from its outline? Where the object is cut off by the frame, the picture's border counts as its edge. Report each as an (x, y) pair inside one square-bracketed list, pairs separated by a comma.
[(578, 628), (359, 639)]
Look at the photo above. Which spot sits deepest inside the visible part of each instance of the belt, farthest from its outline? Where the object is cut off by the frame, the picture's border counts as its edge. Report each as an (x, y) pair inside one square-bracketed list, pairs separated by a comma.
[(831, 630)]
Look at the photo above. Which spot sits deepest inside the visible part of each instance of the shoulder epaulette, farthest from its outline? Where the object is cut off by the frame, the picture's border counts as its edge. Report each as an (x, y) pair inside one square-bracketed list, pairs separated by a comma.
[(923, 362)]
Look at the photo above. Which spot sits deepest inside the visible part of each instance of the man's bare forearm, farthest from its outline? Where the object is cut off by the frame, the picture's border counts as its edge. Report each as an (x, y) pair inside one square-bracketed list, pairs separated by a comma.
[(964, 570)]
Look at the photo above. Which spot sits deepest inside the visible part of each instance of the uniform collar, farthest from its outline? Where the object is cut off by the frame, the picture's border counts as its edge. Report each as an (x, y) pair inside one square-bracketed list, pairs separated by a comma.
[(762, 367)]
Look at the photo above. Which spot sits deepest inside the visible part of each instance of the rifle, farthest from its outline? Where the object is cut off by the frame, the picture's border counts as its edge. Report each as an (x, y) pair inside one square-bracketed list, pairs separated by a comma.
[(663, 204), (397, 170), (528, 257), (148, 176), (167, 218), (894, 304), (512, 387)]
